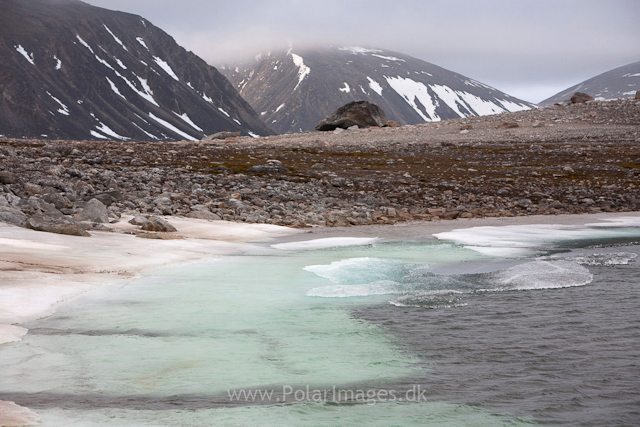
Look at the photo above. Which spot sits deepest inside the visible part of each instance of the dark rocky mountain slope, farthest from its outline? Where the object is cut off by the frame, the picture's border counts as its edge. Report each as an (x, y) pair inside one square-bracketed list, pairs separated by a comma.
[(294, 90), (69, 70), (622, 82)]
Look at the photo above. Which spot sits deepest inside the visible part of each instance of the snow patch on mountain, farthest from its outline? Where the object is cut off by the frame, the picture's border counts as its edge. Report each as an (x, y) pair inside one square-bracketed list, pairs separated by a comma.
[(415, 92), (388, 58), (115, 38), (107, 130), (303, 71), (103, 62), (359, 50), (115, 89), (97, 135), (166, 67), (480, 106), (59, 62), (28, 56), (375, 86), (84, 43), (186, 118), (148, 94), (120, 64), (172, 128), (346, 88), (141, 41), (150, 135), (64, 110)]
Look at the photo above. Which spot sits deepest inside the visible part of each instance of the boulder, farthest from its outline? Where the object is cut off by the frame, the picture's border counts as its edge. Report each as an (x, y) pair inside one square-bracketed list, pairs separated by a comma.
[(6, 177), (55, 224), (581, 98), (58, 200), (638, 95), (508, 125), (158, 225), (272, 166), (94, 211), (138, 220), (222, 135), (204, 215), (109, 198), (39, 204), (360, 113), (12, 215)]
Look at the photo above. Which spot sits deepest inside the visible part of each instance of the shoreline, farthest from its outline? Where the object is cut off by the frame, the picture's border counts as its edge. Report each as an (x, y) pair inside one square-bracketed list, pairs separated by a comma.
[(40, 270), (424, 230)]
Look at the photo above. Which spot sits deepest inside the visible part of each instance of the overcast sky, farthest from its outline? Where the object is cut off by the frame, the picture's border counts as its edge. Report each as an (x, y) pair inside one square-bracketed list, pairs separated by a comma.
[(531, 49)]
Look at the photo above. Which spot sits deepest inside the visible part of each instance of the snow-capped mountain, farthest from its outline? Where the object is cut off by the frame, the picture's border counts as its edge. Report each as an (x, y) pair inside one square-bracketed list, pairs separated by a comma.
[(69, 70), (293, 90), (622, 82)]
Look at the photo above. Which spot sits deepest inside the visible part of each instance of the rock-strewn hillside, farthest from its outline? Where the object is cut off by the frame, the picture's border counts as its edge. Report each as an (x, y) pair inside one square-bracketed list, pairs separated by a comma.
[(293, 90), (574, 159), (74, 71)]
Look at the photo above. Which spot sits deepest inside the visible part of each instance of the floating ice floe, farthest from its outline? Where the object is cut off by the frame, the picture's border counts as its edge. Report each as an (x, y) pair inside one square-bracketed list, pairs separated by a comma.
[(524, 240), (364, 277), (330, 242)]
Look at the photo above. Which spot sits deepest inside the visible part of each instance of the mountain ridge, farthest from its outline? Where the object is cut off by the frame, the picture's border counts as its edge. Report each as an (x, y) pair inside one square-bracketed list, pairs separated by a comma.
[(621, 82), (69, 70), (294, 90)]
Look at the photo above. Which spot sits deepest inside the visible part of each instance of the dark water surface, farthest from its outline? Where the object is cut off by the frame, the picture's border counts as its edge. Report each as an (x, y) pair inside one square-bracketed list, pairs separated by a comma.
[(567, 357)]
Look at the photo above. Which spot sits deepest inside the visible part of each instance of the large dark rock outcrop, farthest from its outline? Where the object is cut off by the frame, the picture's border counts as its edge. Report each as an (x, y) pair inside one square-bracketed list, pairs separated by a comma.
[(55, 224), (357, 113), (581, 98)]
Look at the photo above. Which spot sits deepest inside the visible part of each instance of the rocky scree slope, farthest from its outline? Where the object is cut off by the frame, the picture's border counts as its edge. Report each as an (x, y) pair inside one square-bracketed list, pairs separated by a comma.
[(69, 70), (564, 159), (293, 90)]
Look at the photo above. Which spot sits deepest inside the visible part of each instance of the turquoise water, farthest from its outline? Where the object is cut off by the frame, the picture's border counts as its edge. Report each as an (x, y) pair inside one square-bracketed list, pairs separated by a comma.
[(191, 345)]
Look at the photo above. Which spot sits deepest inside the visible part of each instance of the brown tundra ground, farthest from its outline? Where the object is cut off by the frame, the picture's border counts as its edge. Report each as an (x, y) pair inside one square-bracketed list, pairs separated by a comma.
[(581, 158)]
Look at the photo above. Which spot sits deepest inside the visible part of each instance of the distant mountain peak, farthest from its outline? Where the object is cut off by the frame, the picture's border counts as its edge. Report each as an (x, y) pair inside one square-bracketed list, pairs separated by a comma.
[(293, 90), (621, 82)]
